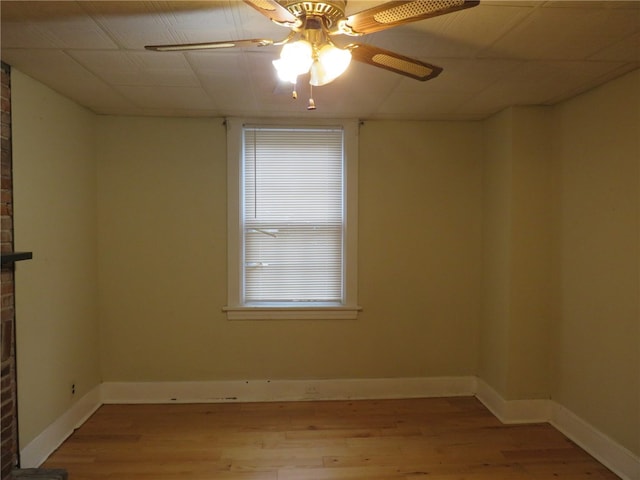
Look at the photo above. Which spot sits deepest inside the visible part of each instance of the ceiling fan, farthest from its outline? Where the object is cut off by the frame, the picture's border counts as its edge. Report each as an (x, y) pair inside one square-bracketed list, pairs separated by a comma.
[(309, 47)]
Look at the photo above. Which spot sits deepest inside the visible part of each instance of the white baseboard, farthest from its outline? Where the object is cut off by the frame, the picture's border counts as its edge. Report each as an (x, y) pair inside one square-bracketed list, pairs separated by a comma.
[(620, 460), (285, 390), (37, 451), (614, 456), (513, 411)]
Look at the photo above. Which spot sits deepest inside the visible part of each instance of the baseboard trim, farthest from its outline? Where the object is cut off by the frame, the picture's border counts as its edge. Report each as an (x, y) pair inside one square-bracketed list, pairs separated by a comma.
[(39, 449), (513, 411), (608, 452), (614, 456), (285, 390)]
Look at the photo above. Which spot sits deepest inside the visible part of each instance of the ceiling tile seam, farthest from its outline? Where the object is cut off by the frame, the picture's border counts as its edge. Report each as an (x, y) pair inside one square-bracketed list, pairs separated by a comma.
[(194, 72), (50, 37), (180, 35), (391, 91), (99, 24), (70, 53), (492, 45), (588, 85), (245, 60), (101, 21), (97, 78), (137, 67), (617, 42), (454, 109), (479, 116), (237, 20), (177, 35), (518, 63), (136, 59)]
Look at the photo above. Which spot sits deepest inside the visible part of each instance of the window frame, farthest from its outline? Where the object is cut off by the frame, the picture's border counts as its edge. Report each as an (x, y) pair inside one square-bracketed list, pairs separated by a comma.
[(234, 309)]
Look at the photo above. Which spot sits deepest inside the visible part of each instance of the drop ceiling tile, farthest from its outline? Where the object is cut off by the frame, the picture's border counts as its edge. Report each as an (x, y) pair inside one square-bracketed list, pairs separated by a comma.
[(458, 35), (177, 98), (358, 93), (252, 24), (239, 81), (464, 76), (214, 23), (231, 60), (514, 3), (566, 33), (626, 50), (231, 95), (479, 107), (415, 105), (500, 53), (139, 68), (593, 4), (64, 75), (20, 11), (356, 6), (134, 26), (198, 15), (262, 76), (348, 96), (193, 13), (542, 83), (135, 33), (50, 25)]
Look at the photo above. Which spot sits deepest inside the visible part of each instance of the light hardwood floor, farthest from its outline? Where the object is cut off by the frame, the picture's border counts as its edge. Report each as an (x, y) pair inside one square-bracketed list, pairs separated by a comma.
[(431, 439)]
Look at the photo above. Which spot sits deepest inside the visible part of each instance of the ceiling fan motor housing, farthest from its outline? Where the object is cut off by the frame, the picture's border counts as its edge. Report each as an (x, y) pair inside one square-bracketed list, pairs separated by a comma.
[(330, 10)]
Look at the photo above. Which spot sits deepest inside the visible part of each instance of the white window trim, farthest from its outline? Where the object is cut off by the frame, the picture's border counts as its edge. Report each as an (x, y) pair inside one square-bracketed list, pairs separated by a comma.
[(234, 308)]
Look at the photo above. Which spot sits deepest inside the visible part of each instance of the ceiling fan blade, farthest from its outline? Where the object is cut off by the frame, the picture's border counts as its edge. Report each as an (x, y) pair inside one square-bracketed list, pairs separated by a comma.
[(394, 13), (275, 12), (259, 42), (394, 62)]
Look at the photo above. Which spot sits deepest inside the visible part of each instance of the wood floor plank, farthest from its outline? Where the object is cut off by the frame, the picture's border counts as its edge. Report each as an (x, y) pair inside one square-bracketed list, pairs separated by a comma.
[(438, 438)]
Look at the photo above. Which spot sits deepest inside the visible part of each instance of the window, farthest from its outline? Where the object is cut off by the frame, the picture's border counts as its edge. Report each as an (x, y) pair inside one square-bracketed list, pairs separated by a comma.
[(292, 220)]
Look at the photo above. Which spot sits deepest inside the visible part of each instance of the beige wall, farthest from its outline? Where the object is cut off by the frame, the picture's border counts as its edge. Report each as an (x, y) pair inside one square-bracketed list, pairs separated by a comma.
[(439, 203), (162, 241), (420, 223), (597, 361), (55, 218), (493, 365), (162, 217), (561, 290), (514, 353)]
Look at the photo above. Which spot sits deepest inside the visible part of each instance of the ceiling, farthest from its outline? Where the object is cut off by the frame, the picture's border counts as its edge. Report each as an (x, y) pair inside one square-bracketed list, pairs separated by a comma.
[(495, 55)]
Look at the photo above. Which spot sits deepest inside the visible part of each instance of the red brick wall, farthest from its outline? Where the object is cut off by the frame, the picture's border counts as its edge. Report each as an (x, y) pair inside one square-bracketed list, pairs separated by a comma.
[(8, 409)]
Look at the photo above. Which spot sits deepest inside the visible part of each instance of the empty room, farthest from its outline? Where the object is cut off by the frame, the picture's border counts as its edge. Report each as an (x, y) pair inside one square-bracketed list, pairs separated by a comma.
[(305, 240)]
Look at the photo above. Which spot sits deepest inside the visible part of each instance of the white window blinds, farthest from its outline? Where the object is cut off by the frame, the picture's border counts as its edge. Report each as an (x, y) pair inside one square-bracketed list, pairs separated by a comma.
[(292, 215)]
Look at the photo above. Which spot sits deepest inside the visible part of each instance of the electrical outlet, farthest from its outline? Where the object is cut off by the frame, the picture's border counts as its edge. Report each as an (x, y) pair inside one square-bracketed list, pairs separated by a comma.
[(73, 389)]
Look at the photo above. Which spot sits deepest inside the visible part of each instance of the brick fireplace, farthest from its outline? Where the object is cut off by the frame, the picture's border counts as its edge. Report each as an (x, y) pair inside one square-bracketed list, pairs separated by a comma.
[(8, 397)]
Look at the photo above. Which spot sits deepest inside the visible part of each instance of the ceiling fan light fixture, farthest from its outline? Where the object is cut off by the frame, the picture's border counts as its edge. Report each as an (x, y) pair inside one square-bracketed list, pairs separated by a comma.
[(314, 22), (295, 59), (330, 64), (285, 72)]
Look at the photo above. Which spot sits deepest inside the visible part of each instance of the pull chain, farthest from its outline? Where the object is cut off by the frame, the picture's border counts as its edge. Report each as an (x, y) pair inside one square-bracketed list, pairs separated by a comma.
[(312, 103)]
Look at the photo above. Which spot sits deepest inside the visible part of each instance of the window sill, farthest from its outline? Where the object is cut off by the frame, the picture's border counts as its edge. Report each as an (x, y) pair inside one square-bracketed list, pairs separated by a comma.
[(292, 313)]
